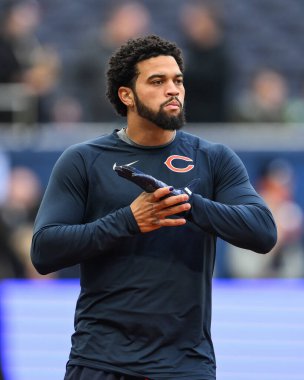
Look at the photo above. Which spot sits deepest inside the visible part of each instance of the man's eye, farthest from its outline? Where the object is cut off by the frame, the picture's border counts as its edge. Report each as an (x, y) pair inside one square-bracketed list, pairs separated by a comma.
[(179, 81), (157, 82)]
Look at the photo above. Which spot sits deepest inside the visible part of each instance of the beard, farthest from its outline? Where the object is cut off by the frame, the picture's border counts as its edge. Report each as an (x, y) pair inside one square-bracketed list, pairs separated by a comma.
[(161, 118)]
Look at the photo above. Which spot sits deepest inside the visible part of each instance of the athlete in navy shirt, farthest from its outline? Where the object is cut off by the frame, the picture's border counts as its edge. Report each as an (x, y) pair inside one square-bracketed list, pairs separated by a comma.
[(144, 309)]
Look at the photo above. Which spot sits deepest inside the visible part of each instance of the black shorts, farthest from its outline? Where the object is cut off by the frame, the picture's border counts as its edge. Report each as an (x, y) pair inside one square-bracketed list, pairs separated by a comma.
[(75, 372)]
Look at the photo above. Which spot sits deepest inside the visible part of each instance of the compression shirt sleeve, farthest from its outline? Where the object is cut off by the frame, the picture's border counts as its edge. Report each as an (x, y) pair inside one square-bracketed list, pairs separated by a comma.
[(237, 214), (61, 238)]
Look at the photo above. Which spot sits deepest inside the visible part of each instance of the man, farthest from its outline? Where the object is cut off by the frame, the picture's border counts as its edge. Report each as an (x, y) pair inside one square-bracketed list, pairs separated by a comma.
[(144, 309)]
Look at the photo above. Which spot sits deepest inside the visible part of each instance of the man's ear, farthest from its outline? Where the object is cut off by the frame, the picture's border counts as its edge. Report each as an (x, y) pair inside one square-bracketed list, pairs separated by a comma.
[(126, 96)]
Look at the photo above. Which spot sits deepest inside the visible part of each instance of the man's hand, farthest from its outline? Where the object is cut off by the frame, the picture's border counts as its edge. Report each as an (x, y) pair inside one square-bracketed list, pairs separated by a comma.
[(152, 209)]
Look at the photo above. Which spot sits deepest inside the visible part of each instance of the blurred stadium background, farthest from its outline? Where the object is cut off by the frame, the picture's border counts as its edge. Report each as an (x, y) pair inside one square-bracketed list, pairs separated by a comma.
[(244, 61)]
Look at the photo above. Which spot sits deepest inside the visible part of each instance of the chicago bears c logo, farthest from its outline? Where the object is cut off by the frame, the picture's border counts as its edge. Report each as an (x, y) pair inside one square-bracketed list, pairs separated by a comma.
[(169, 163)]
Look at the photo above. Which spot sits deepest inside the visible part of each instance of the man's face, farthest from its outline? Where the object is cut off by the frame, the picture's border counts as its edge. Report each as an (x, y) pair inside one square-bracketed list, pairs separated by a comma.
[(159, 92)]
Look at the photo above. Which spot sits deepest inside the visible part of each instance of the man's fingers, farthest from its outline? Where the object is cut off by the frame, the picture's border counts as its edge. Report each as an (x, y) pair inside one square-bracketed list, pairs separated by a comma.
[(176, 209), (170, 206), (174, 200), (152, 210), (171, 222), (162, 192), (160, 217), (169, 201)]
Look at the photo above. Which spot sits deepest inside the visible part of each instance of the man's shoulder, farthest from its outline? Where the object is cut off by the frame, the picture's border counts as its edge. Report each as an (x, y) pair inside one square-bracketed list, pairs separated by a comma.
[(87, 151), (201, 143), (93, 144)]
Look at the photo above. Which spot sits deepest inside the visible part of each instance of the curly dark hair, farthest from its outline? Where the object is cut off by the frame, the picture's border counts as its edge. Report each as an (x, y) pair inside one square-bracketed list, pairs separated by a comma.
[(123, 64)]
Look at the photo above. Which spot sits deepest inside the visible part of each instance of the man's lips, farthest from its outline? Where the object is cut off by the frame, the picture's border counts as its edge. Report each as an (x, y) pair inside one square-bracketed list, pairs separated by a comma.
[(173, 104)]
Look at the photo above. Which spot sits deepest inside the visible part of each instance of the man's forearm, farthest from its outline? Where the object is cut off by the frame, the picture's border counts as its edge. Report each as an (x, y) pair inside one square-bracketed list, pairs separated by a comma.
[(58, 246), (249, 226)]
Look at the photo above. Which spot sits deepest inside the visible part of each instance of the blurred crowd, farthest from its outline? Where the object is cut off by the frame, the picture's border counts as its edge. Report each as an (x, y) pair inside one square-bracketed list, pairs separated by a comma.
[(276, 183), (29, 71), (39, 85), (20, 195)]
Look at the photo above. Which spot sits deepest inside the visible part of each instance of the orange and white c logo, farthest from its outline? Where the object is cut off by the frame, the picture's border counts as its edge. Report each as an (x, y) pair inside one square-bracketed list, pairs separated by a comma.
[(169, 163)]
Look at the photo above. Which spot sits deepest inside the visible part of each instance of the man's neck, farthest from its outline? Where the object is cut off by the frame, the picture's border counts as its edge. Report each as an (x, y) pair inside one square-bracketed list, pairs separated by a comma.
[(147, 133)]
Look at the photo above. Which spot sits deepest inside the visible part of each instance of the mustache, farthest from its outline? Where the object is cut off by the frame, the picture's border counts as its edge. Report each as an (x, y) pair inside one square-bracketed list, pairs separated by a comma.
[(170, 100)]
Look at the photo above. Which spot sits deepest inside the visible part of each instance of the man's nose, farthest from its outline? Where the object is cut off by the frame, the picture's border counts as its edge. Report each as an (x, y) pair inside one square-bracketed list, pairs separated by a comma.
[(172, 89)]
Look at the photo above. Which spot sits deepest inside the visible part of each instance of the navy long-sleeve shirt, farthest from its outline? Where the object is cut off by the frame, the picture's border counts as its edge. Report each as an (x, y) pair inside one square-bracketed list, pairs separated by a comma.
[(145, 301)]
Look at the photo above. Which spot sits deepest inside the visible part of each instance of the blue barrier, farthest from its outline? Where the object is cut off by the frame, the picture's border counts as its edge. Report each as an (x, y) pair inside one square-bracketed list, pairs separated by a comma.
[(258, 328)]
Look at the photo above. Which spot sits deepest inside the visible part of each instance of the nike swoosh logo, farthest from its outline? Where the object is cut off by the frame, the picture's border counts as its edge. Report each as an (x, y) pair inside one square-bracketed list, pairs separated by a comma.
[(131, 163)]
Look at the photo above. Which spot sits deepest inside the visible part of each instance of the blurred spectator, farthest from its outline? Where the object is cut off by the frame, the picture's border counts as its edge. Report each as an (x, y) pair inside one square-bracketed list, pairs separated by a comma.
[(207, 64), (24, 192), (266, 99), (85, 76), (295, 108), (31, 69), (43, 81), (276, 186), (17, 216), (20, 19), (10, 265), (18, 46), (66, 111)]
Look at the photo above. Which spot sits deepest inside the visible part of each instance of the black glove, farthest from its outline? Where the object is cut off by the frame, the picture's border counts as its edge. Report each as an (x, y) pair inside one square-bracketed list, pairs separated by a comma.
[(149, 183)]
